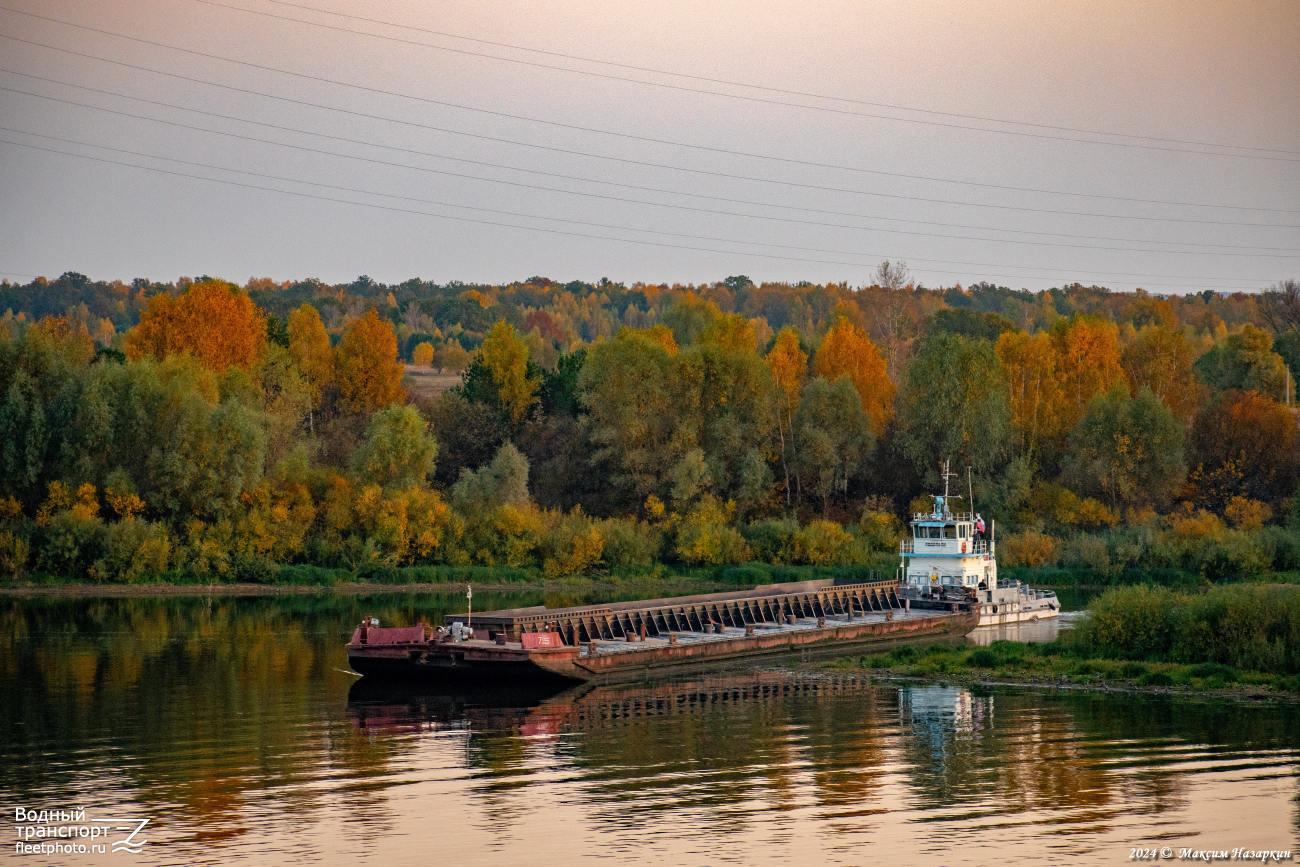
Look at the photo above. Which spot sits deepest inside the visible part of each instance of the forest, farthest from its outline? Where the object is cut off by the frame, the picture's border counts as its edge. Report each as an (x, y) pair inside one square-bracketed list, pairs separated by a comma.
[(204, 430)]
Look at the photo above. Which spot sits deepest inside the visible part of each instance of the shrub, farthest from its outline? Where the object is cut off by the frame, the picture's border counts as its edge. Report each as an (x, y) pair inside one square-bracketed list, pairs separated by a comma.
[(982, 658), (823, 543), (772, 541), (1030, 548), (572, 544), (1214, 670), (1156, 678), (629, 542)]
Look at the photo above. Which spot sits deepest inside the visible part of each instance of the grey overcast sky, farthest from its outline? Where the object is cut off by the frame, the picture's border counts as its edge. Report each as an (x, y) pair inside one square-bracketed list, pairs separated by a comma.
[(1030, 144)]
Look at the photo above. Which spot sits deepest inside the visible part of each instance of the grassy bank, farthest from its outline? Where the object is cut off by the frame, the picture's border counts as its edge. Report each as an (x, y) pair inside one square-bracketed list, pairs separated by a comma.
[(1145, 637), (1059, 578), (1061, 663)]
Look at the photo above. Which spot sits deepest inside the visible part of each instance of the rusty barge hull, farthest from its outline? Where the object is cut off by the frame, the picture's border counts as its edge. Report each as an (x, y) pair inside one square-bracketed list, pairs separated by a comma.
[(629, 640)]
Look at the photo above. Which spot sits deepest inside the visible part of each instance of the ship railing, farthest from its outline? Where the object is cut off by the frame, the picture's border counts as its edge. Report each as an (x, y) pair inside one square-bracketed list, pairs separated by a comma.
[(908, 546)]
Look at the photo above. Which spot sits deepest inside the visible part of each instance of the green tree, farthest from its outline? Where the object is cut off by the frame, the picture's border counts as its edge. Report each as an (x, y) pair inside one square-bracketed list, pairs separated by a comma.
[(834, 437), (1128, 450), (629, 392), (398, 451), (502, 482), (954, 406), (1244, 361)]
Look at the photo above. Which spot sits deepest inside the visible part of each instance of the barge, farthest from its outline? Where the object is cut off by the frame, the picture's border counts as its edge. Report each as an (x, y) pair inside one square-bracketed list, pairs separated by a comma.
[(630, 640)]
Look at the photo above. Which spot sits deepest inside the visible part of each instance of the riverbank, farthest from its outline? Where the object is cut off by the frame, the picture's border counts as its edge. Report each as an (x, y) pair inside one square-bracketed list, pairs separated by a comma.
[(1062, 665), (652, 587)]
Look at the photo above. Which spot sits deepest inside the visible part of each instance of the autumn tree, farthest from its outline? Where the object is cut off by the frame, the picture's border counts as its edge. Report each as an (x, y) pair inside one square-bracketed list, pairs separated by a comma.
[(789, 366), (1128, 450), (310, 346), (506, 357), (689, 317), (1161, 360), (732, 332), (1028, 364), (367, 371), (422, 356), (955, 406), (213, 320), (847, 351), (1087, 364), (1243, 445)]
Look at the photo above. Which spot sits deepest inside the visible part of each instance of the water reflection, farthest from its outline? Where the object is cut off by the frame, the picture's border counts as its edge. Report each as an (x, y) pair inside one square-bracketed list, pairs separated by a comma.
[(231, 724)]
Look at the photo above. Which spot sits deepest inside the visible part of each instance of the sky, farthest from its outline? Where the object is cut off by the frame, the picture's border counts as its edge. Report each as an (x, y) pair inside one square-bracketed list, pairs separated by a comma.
[(1027, 144)]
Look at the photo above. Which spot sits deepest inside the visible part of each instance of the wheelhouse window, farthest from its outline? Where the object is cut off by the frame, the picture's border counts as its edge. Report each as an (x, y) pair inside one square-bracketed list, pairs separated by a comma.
[(950, 531)]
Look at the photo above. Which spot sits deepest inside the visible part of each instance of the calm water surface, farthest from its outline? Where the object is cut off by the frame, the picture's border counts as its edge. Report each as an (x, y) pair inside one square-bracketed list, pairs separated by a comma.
[(231, 725)]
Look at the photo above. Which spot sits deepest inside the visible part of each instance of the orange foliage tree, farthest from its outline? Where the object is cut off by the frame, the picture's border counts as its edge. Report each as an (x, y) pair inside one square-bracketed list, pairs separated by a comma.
[(1087, 364), (368, 373), (1161, 360), (847, 351), (1243, 445), (214, 321)]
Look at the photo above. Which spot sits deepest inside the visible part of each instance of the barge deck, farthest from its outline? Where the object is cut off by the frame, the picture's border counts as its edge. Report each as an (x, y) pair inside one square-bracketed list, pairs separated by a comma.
[(627, 640)]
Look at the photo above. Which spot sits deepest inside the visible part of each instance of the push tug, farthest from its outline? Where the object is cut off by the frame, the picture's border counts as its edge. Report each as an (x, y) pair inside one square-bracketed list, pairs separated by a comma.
[(950, 558)]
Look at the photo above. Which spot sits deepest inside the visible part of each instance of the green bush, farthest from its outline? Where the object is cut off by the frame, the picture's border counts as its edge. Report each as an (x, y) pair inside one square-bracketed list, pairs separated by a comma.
[(1156, 678), (982, 658), (1213, 670)]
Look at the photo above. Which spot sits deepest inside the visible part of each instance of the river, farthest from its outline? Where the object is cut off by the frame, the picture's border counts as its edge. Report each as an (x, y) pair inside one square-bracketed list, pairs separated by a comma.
[(232, 725)]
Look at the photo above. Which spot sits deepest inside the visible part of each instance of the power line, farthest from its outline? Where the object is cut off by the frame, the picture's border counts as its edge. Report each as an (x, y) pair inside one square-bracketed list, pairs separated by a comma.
[(731, 83), (646, 163), (426, 169), (1294, 158), (593, 130), (517, 226)]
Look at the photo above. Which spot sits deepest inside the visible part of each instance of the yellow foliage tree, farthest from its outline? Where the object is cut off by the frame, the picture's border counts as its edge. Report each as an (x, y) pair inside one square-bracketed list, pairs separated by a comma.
[(789, 366), (214, 321), (846, 350), (506, 357), (310, 345), (423, 355), (368, 374), (1028, 365), (661, 334), (1087, 364), (732, 332)]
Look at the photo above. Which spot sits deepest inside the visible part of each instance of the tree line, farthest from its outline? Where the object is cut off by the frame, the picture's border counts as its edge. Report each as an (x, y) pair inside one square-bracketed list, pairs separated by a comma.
[(212, 429)]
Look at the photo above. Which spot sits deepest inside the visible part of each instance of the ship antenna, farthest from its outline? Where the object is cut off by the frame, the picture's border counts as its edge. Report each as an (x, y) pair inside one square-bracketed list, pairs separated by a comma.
[(971, 490)]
